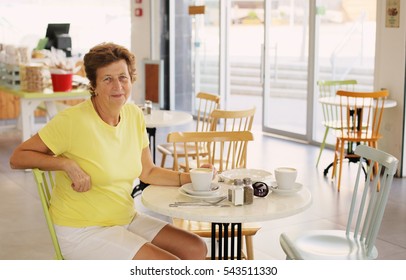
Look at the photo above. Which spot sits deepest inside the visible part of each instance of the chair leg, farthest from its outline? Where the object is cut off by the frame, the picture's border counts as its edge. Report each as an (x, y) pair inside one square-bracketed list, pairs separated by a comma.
[(341, 165), (249, 247), (333, 173), (375, 168), (323, 144), (163, 160)]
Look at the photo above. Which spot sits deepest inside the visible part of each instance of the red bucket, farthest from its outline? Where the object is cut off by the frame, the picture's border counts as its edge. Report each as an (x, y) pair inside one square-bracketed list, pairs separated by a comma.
[(61, 82)]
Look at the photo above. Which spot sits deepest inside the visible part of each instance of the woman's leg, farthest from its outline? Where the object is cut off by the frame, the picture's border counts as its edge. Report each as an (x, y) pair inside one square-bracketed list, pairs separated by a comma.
[(166, 241), (151, 252), (185, 245)]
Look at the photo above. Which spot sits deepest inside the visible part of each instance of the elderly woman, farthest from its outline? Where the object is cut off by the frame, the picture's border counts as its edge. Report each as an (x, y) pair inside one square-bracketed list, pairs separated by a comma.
[(98, 148)]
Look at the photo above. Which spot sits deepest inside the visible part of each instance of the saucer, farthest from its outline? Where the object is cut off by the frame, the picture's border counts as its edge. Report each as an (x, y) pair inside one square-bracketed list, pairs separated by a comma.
[(188, 188), (214, 195), (241, 173), (296, 187)]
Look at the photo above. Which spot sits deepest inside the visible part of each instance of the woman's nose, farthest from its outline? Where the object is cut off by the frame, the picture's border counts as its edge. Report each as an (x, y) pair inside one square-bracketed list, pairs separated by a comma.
[(116, 83)]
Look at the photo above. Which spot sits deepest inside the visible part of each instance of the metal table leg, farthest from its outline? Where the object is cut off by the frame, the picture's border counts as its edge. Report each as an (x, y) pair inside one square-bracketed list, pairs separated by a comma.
[(151, 134), (223, 240)]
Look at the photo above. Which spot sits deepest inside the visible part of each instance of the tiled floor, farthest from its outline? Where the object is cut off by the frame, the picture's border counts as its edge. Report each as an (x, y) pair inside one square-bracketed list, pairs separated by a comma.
[(24, 235)]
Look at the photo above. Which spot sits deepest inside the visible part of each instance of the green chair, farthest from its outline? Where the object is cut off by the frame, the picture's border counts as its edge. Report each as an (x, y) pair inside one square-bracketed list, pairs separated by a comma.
[(331, 117), (45, 185)]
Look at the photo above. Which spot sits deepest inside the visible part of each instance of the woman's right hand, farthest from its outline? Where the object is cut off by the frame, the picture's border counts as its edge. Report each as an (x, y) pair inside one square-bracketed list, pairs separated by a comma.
[(81, 181)]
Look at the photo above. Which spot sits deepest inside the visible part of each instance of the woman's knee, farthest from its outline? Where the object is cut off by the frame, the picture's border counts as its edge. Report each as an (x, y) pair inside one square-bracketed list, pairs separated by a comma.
[(151, 252), (198, 248), (184, 244)]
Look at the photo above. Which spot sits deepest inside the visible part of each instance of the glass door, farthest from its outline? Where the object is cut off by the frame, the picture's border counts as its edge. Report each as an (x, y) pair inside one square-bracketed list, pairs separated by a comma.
[(270, 54), (245, 39), (345, 49), (205, 46), (285, 68)]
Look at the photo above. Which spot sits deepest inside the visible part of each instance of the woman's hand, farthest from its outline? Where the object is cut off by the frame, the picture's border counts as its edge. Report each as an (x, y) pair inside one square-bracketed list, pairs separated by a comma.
[(81, 181), (208, 165)]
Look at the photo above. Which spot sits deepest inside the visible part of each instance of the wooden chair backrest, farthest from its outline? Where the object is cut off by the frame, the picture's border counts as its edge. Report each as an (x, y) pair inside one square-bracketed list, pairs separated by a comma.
[(225, 150), (206, 103), (361, 114), (226, 120)]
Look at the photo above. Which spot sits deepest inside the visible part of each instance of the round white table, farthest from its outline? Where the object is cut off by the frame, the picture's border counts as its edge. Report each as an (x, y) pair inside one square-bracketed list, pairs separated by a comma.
[(336, 101), (163, 118), (274, 206)]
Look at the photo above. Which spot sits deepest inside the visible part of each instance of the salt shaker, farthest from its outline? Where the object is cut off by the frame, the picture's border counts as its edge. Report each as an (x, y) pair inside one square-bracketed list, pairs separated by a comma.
[(248, 191), (238, 198), (148, 107)]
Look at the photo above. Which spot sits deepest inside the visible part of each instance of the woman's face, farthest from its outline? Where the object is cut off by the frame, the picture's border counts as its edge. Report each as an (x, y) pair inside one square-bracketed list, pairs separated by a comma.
[(113, 84)]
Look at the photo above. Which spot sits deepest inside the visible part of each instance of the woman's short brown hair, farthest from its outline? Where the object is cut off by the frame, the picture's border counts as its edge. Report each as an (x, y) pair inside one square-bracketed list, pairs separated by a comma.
[(103, 55)]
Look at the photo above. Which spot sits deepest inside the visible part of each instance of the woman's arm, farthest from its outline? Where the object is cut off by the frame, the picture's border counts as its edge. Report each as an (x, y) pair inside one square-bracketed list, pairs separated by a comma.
[(33, 153), (154, 175)]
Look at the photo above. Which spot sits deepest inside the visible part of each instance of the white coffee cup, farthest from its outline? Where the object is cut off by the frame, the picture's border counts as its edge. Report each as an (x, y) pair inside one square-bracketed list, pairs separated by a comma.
[(285, 177), (201, 178)]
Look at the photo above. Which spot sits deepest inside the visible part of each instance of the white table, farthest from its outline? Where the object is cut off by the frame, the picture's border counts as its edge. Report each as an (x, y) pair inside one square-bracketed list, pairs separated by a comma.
[(163, 118), (335, 101), (274, 206), (29, 102)]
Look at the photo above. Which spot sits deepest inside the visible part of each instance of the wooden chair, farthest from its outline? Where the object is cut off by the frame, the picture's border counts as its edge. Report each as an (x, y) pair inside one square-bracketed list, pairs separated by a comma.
[(366, 213), (360, 118), (227, 120), (225, 150), (45, 185), (206, 103), (221, 120), (330, 111)]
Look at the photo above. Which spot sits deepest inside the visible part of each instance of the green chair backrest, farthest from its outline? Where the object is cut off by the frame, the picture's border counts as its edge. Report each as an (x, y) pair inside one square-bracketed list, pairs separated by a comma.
[(45, 185), (329, 89)]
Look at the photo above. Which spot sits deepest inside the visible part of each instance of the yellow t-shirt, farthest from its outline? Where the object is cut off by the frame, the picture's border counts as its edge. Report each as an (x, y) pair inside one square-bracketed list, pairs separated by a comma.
[(110, 155)]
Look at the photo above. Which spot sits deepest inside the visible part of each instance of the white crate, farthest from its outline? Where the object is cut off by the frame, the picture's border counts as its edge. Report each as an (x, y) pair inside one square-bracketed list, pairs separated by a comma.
[(12, 77)]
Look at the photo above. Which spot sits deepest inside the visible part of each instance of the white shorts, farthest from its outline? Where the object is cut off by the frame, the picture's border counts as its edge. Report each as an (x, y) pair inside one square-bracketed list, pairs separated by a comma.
[(108, 243)]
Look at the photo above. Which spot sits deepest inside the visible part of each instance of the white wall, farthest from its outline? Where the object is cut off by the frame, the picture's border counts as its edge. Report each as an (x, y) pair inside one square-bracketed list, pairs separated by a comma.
[(140, 46), (390, 74)]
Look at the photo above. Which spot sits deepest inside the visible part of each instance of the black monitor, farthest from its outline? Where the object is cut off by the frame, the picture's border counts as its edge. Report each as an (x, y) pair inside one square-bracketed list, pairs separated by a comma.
[(58, 37)]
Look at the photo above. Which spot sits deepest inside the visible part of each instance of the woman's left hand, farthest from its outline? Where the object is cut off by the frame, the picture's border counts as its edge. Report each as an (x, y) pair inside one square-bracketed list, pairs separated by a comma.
[(208, 165)]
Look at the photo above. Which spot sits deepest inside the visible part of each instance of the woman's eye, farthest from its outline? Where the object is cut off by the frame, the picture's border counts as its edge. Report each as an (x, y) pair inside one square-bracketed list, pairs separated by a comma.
[(123, 78), (107, 79)]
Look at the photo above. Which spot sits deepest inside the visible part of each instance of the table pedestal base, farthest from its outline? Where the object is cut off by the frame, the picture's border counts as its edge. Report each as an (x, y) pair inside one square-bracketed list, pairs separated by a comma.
[(235, 230), (151, 134), (351, 159)]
